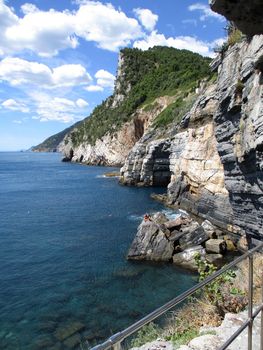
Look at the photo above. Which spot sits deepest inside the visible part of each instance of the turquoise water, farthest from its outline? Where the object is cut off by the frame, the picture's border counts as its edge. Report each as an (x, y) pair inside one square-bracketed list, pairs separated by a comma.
[(64, 234)]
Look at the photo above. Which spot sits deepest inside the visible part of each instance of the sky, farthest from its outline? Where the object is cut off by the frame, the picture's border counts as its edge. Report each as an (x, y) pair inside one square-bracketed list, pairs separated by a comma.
[(58, 59)]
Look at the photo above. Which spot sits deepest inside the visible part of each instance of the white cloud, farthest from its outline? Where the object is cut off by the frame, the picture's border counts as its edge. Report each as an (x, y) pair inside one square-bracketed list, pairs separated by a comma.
[(59, 109), (28, 8), (17, 121), (105, 79), (206, 12), (108, 27), (44, 32), (17, 71), (180, 42), (13, 105), (48, 32), (147, 18), (94, 88), (81, 103)]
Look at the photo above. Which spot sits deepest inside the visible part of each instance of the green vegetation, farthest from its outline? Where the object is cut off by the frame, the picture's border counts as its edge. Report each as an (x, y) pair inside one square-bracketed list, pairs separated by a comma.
[(146, 334), (174, 112), (149, 74), (234, 36)]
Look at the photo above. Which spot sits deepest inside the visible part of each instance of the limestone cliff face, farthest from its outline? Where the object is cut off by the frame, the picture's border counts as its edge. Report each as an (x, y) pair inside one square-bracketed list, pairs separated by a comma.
[(239, 131), (187, 161), (213, 161), (113, 148)]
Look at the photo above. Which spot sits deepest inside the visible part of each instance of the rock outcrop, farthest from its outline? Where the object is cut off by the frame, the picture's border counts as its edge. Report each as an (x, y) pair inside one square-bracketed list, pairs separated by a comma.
[(188, 161), (177, 241), (247, 15), (113, 148)]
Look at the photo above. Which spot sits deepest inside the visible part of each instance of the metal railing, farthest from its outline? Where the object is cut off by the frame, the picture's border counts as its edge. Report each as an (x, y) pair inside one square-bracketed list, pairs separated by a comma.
[(115, 341)]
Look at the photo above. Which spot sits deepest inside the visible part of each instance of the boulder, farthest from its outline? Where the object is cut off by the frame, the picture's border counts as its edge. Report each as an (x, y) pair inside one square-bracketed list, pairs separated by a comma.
[(215, 259), (160, 218), (209, 229), (186, 258), (215, 246), (177, 222), (151, 243), (194, 234)]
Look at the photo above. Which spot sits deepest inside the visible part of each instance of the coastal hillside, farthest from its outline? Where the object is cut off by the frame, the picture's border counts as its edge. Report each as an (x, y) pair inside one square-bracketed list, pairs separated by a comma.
[(147, 83), (51, 143)]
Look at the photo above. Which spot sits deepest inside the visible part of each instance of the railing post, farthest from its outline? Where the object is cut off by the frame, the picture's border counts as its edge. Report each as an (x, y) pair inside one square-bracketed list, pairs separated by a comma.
[(250, 301), (261, 331), (117, 346)]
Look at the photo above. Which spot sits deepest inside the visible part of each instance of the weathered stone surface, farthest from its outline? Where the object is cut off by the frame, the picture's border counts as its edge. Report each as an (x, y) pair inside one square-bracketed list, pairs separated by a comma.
[(215, 246), (186, 258), (194, 235), (151, 243), (214, 259), (239, 132), (247, 15), (158, 344), (64, 332), (209, 228)]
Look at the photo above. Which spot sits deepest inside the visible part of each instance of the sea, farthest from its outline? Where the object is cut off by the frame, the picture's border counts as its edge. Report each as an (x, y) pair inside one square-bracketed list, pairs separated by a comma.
[(65, 230)]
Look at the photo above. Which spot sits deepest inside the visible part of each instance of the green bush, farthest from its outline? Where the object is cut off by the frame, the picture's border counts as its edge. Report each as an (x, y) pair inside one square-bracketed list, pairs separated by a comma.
[(146, 334)]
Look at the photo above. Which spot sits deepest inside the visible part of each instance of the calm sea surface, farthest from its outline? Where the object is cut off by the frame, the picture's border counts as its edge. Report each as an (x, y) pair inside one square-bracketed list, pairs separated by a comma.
[(64, 234)]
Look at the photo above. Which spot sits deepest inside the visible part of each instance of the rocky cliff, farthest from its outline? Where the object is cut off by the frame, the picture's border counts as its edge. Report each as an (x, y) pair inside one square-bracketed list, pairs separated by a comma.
[(147, 83), (213, 160)]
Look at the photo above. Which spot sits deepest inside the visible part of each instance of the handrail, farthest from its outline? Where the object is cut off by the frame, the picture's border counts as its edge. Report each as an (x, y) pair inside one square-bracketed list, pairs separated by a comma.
[(116, 339)]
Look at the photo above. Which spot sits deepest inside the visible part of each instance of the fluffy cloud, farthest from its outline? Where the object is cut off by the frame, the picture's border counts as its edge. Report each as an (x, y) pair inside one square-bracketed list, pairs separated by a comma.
[(108, 27), (17, 71), (13, 105), (60, 109), (104, 80), (206, 12), (48, 32), (94, 88), (180, 42), (147, 18), (81, 103)]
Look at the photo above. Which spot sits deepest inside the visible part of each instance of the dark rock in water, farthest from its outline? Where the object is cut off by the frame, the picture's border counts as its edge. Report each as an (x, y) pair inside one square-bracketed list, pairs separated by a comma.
[(215, 246), (186, 258), (73, 341), (247, 15), (194, 234), (65, 332), (57, 346), (151, 243)]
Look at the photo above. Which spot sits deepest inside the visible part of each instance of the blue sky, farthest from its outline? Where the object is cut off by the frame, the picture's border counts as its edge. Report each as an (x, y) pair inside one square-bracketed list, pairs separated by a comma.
[(58, 58)]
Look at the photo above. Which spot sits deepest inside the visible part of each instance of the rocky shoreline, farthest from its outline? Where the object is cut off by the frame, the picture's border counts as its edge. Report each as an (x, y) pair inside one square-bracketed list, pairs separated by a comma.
[(178, 241)]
